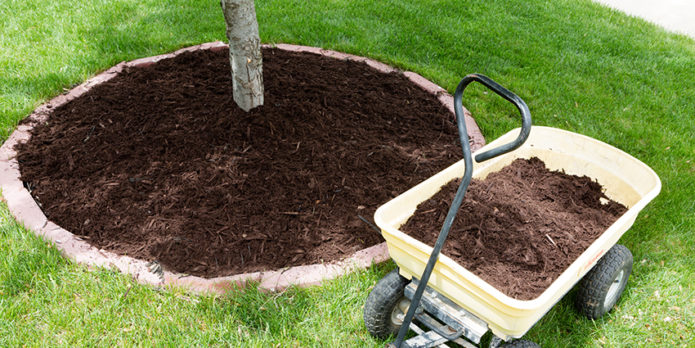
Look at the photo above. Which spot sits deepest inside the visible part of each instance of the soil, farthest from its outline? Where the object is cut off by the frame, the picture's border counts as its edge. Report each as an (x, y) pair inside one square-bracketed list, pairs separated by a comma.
[(159, 163), (520, 228)]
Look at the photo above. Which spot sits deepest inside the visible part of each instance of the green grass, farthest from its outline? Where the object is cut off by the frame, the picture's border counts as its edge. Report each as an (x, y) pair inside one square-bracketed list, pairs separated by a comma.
[(578, 65)]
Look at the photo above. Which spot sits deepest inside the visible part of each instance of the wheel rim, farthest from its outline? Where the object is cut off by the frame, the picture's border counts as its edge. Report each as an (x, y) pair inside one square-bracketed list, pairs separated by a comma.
[(398, 312), (614, 290)]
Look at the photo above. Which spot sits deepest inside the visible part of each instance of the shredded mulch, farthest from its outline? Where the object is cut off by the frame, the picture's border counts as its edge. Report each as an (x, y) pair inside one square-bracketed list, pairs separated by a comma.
[(159, 163), (519, 228)]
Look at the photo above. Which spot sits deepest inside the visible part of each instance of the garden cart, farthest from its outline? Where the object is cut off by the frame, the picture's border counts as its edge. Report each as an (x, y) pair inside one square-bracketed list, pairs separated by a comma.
[(441, 301)]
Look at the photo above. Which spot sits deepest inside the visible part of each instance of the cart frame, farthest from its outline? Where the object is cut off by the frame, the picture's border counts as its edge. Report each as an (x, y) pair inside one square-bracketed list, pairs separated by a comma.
[(626, 180)]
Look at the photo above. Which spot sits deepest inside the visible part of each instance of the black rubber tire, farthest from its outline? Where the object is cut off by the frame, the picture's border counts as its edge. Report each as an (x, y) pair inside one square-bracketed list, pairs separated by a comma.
[(594, 287), (520, 344), (380, 304)]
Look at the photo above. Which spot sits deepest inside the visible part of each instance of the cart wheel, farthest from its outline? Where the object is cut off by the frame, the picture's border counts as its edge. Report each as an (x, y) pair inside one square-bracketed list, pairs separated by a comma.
[(386, 306), (520, 344), (601, 288)]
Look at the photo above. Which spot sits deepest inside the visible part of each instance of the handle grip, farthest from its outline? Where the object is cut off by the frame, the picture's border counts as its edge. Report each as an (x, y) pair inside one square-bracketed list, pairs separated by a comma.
[(509, 96)]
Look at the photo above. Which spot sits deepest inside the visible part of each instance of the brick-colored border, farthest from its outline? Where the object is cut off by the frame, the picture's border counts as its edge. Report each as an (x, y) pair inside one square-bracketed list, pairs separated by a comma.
[(26, 211)]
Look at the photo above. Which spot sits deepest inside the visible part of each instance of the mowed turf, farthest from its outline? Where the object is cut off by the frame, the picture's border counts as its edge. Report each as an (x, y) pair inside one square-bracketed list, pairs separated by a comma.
[(578, 65)]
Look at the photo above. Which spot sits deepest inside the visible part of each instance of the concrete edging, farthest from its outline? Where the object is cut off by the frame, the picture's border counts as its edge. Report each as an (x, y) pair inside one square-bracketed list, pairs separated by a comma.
[(23, 207)]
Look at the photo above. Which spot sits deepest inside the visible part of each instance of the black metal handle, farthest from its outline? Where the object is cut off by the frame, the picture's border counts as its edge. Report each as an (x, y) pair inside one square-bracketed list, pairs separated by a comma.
[(449, 220), (509, 96), (465, 180)]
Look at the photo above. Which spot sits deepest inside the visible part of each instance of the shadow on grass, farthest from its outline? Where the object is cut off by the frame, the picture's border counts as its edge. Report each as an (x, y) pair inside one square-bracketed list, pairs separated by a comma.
[(563, 323), (129, 32), (27, 268), (306, 316), (27, 260), (114, 33)]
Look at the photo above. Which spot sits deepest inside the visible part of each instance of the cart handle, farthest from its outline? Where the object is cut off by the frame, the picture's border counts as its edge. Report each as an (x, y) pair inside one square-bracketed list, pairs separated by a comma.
[(509, 96), (465, 180), (453, 209)]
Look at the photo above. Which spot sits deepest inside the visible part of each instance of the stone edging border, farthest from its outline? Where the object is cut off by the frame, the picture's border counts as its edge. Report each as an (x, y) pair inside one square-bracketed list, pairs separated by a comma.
[(26, 211)]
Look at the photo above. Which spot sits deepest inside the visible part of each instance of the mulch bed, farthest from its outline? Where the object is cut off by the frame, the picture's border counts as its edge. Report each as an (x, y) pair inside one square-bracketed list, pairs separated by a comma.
[(519, 228), (159, 163)]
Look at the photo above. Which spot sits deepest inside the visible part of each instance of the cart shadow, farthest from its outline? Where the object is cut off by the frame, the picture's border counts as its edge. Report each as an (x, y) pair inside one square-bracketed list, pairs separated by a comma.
[(564, 326), (307, 316)]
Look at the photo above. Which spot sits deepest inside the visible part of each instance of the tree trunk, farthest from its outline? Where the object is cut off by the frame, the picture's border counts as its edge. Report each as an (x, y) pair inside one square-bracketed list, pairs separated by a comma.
[(244, 52)]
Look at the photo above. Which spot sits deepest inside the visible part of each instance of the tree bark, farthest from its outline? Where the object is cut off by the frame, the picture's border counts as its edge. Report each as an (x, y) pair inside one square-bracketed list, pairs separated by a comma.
[(244, 52)]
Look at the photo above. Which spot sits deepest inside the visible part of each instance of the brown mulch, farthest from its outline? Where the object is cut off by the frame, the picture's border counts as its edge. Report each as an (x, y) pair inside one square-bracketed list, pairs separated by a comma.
[(159, 163), (519, 228)]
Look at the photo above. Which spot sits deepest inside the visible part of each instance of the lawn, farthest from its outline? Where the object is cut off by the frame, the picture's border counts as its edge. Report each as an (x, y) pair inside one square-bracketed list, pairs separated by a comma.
[(578, 65)]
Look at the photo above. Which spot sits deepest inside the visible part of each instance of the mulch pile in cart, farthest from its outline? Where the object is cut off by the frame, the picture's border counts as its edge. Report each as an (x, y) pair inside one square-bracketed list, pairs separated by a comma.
[(519, 228)]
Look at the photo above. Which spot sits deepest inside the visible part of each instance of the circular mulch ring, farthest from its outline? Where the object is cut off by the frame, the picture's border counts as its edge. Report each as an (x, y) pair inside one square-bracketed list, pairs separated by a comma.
[(156, 147)]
